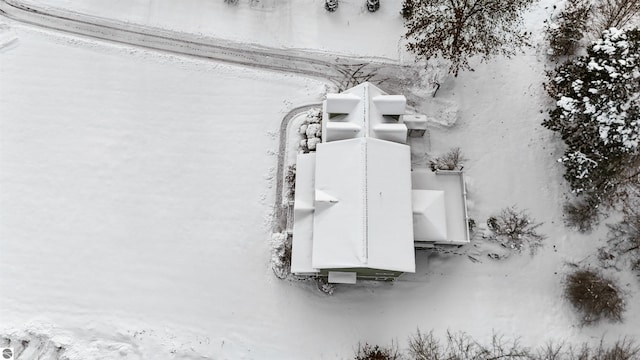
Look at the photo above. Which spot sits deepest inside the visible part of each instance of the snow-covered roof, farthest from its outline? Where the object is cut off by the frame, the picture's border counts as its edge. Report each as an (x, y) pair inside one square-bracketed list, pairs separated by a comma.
[(451, 183), (429, 215), (363, 207), (303, 215), (364, 110)]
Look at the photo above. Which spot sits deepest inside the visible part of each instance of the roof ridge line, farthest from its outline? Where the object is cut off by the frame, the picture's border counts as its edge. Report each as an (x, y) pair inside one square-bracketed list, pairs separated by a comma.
[(365, 198)]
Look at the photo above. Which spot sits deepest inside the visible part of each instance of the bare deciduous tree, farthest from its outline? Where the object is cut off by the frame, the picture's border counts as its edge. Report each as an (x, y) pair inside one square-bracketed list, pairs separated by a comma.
[(614, 13), (458, 29)]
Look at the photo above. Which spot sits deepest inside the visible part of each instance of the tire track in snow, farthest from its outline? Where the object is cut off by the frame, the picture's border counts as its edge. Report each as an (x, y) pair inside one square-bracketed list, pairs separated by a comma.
[(341, 71), (337, 69)]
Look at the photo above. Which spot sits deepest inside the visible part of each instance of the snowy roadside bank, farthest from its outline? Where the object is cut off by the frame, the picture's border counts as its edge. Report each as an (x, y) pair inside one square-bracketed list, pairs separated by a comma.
[(314, 64), (296, 25)]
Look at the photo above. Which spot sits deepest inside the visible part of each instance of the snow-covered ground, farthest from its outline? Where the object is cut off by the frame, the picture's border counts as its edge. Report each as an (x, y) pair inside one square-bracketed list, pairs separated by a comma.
[(295, 24), (136, 193)]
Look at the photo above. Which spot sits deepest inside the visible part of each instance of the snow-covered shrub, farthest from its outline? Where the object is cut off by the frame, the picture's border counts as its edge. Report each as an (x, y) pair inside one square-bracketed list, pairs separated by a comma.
[(376, 352), (449, 161), (582, 214), (594, 295), (461, 346), (311, 131), (290, 179), (565, 33), (353, 75), (471, 223), (281, 254), (325, 286), (231, 2), (407, 9), (331, 5), (515, 229), (597, 113), (620, 349), (624, 238), (373, 5)]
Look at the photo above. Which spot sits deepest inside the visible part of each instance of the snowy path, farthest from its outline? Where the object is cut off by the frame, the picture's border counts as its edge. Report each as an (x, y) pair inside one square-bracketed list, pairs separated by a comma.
[(337, 69), (284, 127)]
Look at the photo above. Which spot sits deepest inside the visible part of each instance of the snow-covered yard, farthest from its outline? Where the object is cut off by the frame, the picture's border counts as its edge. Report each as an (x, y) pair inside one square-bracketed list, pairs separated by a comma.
[(294, 24), (136, 195)]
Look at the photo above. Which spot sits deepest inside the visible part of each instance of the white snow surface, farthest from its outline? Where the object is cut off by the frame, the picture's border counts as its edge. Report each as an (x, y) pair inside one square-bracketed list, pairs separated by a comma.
[(136, 191), (299, 24)]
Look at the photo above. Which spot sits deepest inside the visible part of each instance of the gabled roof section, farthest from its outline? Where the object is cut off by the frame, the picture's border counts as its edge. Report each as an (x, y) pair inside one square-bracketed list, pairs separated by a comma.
[(364, 111), (370, 225)]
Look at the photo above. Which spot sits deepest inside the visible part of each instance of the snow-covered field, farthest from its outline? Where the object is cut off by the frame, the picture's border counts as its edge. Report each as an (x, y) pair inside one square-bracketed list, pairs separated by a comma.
[(136, 194), (293, 24)]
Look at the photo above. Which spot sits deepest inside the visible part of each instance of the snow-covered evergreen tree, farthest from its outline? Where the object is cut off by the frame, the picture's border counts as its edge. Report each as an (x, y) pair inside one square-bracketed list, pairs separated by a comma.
[(456, 30), (331, 5), (597, 113)]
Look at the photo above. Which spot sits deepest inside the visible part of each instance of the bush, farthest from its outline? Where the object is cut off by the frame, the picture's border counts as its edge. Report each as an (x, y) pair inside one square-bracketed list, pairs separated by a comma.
[(407, 9), (624, 237), (325, 286), (375, 352), (311, 131), (582, 214), (290, 179), (373, 5), (594, 295), (461, 346), (515, 229), (331, 5), (619, 350), (565, 34), (449, 161), (281, 254)]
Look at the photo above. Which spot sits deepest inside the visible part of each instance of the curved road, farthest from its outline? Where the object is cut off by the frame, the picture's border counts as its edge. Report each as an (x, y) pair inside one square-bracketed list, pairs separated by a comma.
[(342, 71)]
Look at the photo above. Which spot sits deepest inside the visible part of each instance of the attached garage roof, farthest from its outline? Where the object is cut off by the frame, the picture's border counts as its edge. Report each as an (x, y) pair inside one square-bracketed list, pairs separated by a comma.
[(429, 215)]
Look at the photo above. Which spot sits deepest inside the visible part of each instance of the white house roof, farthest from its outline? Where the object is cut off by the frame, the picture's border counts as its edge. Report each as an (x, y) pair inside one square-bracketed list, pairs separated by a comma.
[(363, 207), (303, 215), (429, 215), (452, 184), (364, 111)]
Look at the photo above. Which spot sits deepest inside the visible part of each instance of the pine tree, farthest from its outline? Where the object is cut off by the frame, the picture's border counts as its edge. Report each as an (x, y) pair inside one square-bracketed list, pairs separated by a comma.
[(458, 29)]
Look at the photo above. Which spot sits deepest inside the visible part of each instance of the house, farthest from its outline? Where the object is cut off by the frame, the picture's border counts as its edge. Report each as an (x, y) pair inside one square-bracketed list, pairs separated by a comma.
[(356, 212)]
